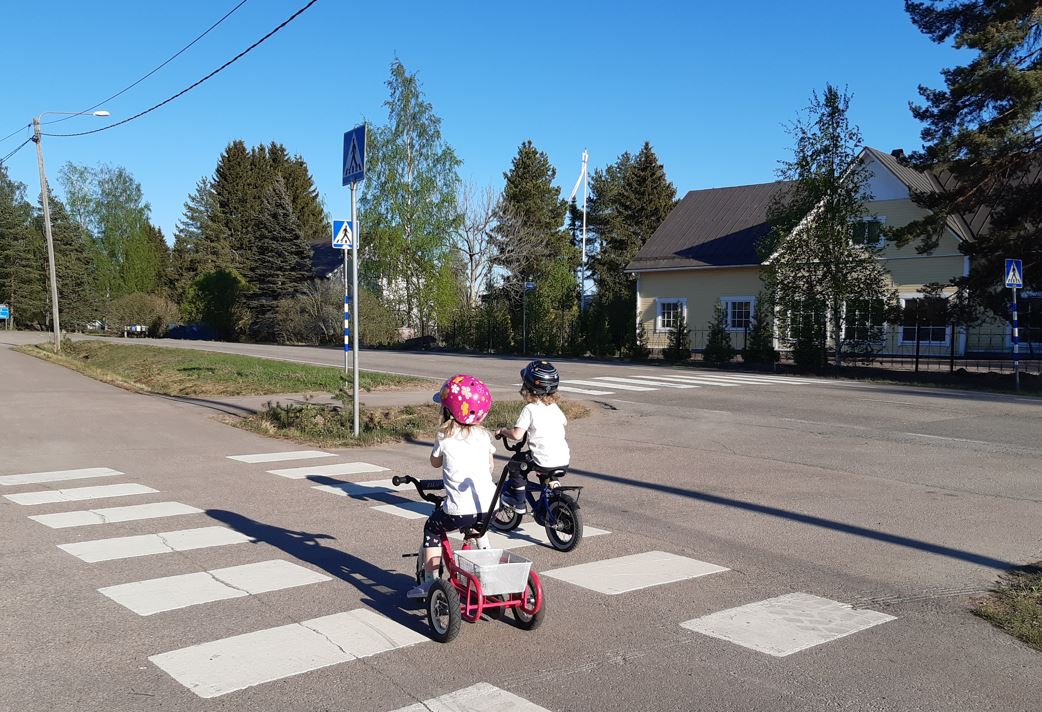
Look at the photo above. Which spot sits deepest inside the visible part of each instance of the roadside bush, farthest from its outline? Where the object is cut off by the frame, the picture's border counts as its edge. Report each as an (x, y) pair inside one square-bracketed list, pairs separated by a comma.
[(679, 347), (718, 347), (315, 316), (637, 349), (807, 351), (215, 299), (379, 324), (155, 312)]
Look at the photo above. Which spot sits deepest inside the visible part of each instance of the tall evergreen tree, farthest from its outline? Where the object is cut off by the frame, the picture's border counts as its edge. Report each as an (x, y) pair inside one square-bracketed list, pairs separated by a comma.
[(631, 198), (409, 202), (985, 129), (201, 241), (74, 265), (817, 267), (280, 263), (23, 258), (239, 193)]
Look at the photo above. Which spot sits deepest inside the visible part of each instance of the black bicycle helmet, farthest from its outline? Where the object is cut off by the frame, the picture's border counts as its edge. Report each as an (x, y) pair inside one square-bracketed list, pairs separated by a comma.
[(540, 378)]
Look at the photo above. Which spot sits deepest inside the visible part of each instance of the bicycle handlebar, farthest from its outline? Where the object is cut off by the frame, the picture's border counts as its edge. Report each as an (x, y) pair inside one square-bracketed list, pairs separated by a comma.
[(421, 486), (516, 447)]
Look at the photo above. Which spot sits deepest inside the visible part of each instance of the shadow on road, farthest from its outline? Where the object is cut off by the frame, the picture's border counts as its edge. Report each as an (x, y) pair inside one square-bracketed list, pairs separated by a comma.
[(808, 519), (351, 490), (385, 590), (220, 406)]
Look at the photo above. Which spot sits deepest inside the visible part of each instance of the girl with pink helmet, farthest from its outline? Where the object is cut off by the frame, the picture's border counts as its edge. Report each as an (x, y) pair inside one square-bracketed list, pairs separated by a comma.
[(463, 450)]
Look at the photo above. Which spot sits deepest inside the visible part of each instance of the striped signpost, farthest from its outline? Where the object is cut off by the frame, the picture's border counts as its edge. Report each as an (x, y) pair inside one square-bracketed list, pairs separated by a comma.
[(1014, 274), (354, 171)]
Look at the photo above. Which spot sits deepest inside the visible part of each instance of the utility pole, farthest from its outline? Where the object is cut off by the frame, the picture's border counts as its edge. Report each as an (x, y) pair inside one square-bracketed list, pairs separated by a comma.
[(47, 233)]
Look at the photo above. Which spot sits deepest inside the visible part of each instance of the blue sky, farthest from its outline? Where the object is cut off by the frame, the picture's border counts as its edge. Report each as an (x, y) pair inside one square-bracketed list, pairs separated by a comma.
[(710, 84)]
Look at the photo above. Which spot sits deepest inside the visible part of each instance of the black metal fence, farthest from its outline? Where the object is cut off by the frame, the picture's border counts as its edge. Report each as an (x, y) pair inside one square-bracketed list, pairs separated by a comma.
[(971, 350)]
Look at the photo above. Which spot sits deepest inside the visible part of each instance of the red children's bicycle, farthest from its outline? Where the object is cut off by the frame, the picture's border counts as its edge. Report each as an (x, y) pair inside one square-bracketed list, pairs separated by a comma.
[(473, 582)]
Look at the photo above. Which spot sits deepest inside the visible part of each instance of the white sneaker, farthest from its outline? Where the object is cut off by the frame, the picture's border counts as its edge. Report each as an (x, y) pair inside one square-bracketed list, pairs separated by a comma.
[(421, 590)]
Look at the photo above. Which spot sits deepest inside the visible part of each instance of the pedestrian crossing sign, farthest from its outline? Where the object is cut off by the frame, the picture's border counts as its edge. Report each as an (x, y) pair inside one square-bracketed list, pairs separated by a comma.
[(1014, 274), (354, 155), (343, 235)]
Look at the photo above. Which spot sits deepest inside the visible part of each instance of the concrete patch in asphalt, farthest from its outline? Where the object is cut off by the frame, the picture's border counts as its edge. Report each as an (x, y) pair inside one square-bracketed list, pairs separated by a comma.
[(407, 510), (481, 697), (360, 489), (281, 456), (344, 468), (33, 478)]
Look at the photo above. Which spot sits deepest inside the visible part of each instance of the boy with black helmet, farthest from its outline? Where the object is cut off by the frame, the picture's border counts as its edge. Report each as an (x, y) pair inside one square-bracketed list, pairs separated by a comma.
[(544, 422)]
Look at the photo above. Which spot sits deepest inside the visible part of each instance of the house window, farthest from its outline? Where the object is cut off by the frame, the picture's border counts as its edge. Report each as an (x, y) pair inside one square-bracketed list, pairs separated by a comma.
[(868, 232), (928, 315), (669, 311), (863, 320), (806, 321), (739, 313)]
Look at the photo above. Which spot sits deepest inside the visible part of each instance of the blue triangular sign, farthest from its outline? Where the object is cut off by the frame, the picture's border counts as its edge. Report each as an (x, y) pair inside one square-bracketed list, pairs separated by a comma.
[(1014, 278)]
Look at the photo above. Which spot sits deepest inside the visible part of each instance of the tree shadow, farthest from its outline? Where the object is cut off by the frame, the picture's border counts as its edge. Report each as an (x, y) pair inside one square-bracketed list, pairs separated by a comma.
[(808, 519), (384, 590)]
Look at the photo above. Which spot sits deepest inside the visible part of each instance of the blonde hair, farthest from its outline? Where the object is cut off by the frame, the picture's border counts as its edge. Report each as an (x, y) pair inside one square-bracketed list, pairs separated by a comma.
[(546, 399), (450, 426)]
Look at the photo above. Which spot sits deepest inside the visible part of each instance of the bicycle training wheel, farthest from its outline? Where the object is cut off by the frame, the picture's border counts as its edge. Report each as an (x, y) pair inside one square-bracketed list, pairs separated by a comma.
[(526, 620), (564, 523), (443, 611)]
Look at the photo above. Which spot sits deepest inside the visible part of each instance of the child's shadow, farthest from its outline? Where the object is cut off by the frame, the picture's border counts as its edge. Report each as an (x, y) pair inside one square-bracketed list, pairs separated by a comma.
[(385, 589)]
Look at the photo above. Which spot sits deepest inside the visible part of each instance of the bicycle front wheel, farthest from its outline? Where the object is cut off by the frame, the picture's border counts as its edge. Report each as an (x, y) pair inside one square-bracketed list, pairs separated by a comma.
[(564, 523)]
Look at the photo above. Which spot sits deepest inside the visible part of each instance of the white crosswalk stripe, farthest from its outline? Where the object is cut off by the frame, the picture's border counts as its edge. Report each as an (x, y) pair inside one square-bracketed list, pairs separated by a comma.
[(701, 380), (787, 624), (360, 489), (407, 510), (126, 547), (281, 456), (78, 494), (111, 515), (584, 391), (634, 572), (344, 468), (481, 697), (617, 386), (172, 592), (527, 534), (223, 666), (33, 478), (614, 380)]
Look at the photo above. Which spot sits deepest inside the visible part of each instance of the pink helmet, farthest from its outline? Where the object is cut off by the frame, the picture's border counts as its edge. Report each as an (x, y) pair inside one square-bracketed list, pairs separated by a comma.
[(466, 398)]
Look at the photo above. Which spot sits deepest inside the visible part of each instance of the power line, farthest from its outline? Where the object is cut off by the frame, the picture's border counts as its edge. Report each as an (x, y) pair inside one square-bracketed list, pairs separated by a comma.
[(193, 86), (20, 128), (168, 61), (16, 150)]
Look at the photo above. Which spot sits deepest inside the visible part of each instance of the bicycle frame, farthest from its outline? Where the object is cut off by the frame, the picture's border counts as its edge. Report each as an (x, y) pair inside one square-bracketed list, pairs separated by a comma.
[(473, 602)]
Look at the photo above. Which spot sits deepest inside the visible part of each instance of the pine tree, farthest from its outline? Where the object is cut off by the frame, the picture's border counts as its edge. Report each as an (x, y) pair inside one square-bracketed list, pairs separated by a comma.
[(280, 263), (817, 266), (984, 129)]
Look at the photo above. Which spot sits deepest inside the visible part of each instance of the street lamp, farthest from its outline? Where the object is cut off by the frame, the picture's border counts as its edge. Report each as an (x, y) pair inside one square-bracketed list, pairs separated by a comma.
[(47, 216)]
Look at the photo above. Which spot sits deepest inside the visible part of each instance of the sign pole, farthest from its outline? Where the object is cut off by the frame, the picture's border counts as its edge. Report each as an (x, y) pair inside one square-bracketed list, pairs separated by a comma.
[(347, 318), (1016, 344), (354, 294)]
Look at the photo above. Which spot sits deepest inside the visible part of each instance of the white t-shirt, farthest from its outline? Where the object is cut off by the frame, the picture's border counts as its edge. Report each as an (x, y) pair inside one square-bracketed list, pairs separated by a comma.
[(466, 471), (545, 427)]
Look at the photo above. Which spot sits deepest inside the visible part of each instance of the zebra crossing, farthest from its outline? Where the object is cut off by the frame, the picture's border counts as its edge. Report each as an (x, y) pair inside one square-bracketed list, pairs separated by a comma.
[(779, 627), (676, 380)]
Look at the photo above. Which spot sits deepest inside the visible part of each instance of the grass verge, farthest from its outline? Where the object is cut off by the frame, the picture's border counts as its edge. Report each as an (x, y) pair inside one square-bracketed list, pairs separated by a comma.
[(330, 426), (184, 372), (1015, 605)]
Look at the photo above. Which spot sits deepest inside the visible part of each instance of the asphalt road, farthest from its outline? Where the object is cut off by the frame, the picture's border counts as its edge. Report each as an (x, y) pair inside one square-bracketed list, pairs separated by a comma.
[(901, 502)]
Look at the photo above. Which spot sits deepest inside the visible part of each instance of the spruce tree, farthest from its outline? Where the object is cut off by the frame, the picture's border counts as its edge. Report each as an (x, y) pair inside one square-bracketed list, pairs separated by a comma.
[(238, 192), (718, 348), (280, 263), (679, 346), (760, 346), (201, 242), (23, 258), (985, 130)]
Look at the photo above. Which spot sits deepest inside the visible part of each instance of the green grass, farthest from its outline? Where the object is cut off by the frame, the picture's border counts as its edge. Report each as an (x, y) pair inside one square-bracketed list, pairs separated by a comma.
[(184, 372), (330, 426), (1015, 605)]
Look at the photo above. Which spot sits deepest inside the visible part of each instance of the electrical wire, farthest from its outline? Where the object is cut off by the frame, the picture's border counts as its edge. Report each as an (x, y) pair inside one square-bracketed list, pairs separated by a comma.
[(168, 61), (20, 128), (193, 86), (16, 150)]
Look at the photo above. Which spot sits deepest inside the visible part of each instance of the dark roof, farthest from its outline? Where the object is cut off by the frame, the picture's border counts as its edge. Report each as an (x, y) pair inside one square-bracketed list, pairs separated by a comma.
[(718, 227)]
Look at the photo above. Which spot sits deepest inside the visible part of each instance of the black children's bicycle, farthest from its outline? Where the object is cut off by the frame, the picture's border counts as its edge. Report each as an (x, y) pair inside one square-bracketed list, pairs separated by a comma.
[(549, 502)]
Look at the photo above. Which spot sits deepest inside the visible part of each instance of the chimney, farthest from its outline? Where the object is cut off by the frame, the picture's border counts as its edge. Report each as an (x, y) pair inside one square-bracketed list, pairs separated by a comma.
[(898, 153)]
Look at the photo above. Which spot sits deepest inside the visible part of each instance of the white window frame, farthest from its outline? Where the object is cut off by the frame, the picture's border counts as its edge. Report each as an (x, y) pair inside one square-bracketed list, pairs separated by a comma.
[(727, 301), (659, 301), (884, 334), (901, 327), (881, 219)]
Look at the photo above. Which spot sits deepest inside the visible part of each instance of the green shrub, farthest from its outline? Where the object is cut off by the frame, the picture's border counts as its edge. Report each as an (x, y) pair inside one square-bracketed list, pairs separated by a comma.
[(718, 347), (679, 347)]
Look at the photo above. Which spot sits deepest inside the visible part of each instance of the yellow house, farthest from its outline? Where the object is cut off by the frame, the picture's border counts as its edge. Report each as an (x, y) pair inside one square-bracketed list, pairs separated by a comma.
[(704, 254)]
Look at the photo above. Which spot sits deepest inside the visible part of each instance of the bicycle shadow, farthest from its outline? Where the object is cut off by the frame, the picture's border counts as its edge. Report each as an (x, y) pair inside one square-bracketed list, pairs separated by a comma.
[(352, 490), (384, 590)]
